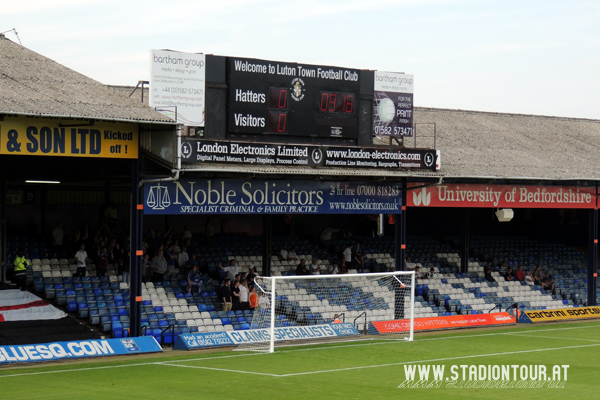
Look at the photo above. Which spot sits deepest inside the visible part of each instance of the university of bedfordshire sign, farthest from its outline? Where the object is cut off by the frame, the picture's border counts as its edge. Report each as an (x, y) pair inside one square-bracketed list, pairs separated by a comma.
[(501, 196)]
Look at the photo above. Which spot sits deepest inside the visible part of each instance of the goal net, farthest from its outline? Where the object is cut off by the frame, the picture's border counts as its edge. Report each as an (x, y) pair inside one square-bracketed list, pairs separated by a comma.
[(295, 310)]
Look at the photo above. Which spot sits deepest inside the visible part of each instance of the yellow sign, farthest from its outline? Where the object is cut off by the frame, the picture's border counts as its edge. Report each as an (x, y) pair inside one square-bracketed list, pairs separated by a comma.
[(563, 313), (35, 136)]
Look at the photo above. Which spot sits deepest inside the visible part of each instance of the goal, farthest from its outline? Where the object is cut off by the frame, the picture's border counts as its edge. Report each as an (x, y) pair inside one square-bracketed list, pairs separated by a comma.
[(297, 310)]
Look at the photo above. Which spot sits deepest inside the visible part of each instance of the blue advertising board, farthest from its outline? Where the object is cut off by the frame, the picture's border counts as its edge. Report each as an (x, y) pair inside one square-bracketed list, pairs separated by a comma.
[(238, 196), (77, 349), (289, 333)]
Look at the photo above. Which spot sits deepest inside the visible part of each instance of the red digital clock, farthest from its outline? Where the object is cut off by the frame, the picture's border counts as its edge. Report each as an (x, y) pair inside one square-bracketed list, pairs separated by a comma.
[(336, 102)]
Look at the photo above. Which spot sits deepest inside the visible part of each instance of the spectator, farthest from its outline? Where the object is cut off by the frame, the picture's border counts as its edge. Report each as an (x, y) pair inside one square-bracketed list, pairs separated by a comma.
[(329, 233), (81, 257), (292, 255), (357, 257), (253, 298), (102, 262), (124, 266), (529, 279), (235, 296), (283, 254), (58, 236), (548, 282), (417, 273), (487, 271), (314, 267), (20, 271), (431, 274), (510, 275), (232, 269), (537, 276), (336, 319), (186, 234), (226, 295), (192, 261), (183, 257), (343, 267), (503, 268), (333, 269), (347, 255), (251, 274), (171, 258), (194, 280), (409, 265), (301, 268), (147, 268), (520, 275), (263, 301), (159, 267)]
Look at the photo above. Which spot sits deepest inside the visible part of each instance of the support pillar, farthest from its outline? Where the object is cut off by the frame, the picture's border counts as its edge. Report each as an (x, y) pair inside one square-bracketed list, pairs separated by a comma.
[(136, 253), (267, 245), (3, 251), (464, 244), (592, 256), (400, 240)]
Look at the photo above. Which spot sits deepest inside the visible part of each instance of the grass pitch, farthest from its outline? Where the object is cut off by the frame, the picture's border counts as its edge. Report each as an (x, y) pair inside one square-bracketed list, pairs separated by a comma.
[(349, 370)]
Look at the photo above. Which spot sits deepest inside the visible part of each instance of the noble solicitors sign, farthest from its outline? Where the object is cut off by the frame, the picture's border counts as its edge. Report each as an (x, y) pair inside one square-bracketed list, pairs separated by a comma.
[(501, 196)]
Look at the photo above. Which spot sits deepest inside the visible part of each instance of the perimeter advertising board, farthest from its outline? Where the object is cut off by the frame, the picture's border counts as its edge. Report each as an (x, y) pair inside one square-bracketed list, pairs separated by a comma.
[(563, 314), (446, 322), (177, 85), (239, 196), (300, 155), (77, 349), (68, 137), (236, 338), (393, 104), (501, 196)]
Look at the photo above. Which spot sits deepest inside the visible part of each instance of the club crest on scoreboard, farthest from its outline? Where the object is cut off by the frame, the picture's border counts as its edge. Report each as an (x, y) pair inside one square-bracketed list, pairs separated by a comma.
[(297, 89)]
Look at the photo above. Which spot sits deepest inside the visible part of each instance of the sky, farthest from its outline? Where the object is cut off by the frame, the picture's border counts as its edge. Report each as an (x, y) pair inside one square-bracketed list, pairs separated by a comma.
[(524, 57)]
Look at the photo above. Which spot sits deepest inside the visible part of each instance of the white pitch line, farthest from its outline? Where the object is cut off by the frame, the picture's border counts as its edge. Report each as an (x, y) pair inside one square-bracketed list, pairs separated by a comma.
[(438, 359), (290, 351), (220, 369), (553, 337)]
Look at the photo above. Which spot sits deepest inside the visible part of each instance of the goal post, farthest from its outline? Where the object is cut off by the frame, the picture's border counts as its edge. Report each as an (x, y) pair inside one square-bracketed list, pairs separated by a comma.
[(296, 310)]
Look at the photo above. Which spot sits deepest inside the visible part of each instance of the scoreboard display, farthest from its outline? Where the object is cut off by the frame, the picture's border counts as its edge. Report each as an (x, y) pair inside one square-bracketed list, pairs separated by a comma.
[(291, 99)]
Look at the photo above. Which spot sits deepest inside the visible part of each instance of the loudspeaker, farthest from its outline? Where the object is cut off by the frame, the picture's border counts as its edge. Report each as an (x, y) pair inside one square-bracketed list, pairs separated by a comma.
[(505, 215)]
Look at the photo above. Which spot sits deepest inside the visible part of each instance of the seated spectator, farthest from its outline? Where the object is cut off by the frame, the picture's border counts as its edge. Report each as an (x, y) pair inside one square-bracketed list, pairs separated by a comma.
[(537, 276), (192, 261), (409, 265), (314, 267), (283, 253), (336, 319), (392, 266), (301, 269), (529, 279), (548, 282), (520, 275), (503, 268), (487, 270), (194, 280), (430, 274), (343, 267), (263, 300), (417, 273), (292, 255), (333, 269), (510, 275)]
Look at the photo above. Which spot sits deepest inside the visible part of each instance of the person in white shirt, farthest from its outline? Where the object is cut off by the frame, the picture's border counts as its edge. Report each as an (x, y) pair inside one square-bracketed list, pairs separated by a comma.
[(529, 279), (183, 257), (410, 266), (283, 254), (81, 257), (314, 267), (291, 256), (244, 295), (232, 269), (348, 255)]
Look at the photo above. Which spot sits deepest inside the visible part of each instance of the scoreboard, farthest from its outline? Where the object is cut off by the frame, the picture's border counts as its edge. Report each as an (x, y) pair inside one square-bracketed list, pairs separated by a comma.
[(291, 99)]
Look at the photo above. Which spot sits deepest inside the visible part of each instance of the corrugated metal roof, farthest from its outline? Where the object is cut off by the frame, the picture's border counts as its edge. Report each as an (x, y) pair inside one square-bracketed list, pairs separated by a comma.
[(31, 84)]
